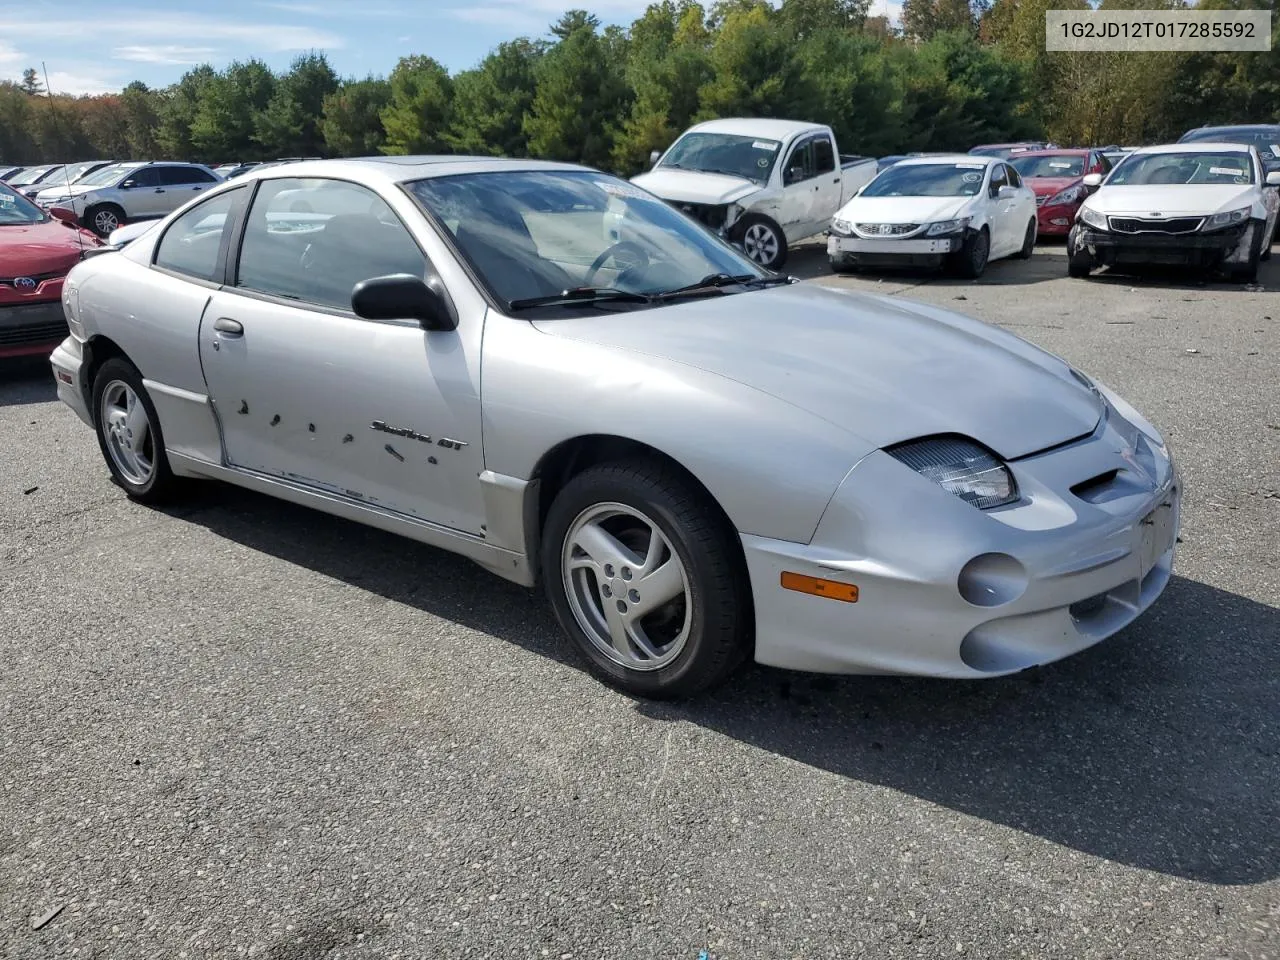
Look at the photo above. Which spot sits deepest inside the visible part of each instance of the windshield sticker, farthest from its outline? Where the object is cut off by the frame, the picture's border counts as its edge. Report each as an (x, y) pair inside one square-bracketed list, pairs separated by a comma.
[(1227, 171), (764, 145), (762, 162), (621, 190), (1275, 149), (1062, 165), (7, 199), (971, 166), (972, 178)]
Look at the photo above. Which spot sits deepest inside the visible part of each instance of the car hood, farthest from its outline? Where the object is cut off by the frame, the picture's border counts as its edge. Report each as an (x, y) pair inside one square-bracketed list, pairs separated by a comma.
[(39, 249), (693, 186), (48, 191), (902, 209), (884, 369), (1048, 186), (1172, 199)]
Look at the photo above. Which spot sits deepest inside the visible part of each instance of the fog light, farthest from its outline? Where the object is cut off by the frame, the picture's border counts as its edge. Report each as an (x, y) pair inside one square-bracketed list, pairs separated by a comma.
[(992, 580)]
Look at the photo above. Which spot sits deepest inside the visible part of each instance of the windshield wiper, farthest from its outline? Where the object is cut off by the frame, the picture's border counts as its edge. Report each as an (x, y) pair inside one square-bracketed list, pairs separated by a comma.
[(714, 283), (582, 295)]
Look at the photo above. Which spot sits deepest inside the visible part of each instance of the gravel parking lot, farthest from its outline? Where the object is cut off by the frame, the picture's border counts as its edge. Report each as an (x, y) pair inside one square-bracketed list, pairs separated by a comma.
[(240, 728)]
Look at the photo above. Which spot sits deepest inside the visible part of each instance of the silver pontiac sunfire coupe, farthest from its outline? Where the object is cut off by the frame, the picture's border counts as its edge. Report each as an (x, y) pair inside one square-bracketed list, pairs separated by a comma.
[(552, 372)]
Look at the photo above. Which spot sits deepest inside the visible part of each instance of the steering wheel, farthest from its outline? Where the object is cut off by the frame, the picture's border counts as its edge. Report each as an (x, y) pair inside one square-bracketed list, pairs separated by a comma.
[(633, 252)]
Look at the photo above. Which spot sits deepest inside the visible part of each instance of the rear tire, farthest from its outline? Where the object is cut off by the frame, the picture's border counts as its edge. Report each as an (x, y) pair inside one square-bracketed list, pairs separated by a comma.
[(843, 266), (599, 552), (1028, 241), (129, 434)]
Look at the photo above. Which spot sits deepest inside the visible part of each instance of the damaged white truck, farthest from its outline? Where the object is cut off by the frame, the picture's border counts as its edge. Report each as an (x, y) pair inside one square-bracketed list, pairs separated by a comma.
[(765, 185), (1211, 205)]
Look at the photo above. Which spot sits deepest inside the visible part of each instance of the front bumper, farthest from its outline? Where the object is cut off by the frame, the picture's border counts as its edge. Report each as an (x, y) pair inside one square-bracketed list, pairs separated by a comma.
[(67, 361), (30, 326), (1084, 566), (1190, 249), (1056, 221)]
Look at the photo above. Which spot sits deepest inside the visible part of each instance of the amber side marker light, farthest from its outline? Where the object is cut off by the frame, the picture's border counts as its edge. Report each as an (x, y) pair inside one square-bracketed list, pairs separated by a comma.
[(831, 589)]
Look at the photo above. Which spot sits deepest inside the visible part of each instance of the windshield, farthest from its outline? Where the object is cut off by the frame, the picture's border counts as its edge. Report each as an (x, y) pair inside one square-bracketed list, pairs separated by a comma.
[(928, 180), (1266, 140), (1053, 165), (29, 176), (749, 157), (76, 170), (17, 210), (538, 233), (1182, 168), (106, 175)]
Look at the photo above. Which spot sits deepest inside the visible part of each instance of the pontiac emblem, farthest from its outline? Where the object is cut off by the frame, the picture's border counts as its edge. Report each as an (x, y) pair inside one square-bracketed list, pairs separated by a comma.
[(24, 283)]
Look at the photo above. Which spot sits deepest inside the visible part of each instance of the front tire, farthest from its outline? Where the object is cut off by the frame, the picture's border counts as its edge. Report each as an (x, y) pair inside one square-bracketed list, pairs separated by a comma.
[(104, 218), (971, 259), (1079, 262), (763, 241), (842, 265), (646, 576), (1249, 272), (129, 433), (1028, 241)]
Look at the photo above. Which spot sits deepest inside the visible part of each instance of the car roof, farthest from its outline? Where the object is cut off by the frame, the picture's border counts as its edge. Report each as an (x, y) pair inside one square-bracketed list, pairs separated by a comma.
[(403, 169), (748, 127), (1056, 152), (1196, 146), (949, 158), (1238, 128)]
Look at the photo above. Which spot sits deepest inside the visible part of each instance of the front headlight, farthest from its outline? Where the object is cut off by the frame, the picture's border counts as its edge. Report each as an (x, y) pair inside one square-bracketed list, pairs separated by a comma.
[(947, 226), (841, 227), (960, 466), (1228, 218), (1092, 217), (1069, 195)]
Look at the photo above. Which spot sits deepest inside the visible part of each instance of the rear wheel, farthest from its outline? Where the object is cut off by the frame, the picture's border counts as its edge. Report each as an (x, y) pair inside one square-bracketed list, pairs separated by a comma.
[(646, 577), (129, 433)]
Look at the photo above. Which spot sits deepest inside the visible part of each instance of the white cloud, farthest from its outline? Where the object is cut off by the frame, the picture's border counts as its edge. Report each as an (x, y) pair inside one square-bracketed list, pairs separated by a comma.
[(146, 28), (76, 84), (168, 54), (537, 15), (9, 55)]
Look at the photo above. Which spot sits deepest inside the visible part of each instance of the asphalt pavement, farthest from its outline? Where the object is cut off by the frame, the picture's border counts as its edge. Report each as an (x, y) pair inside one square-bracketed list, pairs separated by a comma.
[(238, 728)]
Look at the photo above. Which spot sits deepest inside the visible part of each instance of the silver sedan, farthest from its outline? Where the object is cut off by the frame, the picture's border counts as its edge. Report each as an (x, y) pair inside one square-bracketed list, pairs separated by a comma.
[(551, 372)]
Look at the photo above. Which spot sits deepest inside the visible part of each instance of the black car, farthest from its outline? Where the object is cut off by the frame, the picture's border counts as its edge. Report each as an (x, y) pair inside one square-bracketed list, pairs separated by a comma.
[(1264, 136)]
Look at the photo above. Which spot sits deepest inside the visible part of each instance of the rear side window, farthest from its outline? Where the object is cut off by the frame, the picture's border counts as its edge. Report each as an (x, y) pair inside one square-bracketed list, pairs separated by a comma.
[(142, 177), (176, 175), (824, 157), (1014, 178), (191, 243), (313, 240)]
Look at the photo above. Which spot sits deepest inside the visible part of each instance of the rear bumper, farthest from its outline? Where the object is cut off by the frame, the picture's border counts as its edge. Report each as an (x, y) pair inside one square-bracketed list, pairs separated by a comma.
[(32, 327)]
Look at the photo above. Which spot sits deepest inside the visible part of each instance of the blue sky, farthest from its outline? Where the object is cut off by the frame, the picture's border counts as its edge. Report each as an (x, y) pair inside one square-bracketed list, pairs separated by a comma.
[(95, 46)]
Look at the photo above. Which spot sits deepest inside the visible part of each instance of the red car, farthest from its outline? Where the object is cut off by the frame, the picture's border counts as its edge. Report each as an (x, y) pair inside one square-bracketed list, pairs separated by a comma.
[(36, 252), (1055, 176)]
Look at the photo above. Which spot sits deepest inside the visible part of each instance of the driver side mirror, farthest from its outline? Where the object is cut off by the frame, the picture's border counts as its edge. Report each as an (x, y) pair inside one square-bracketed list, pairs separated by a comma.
[(128, 184), (1092, 181), (402, 296), (794, 175), (1273, 178), (654, 157), (1007, 192)]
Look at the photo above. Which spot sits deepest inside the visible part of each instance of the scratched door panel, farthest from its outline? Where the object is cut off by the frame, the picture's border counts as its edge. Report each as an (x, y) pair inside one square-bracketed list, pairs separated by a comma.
[(386, 413)]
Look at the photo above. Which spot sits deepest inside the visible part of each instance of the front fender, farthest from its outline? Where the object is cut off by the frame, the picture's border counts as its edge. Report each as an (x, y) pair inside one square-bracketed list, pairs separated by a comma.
[(772, 467)]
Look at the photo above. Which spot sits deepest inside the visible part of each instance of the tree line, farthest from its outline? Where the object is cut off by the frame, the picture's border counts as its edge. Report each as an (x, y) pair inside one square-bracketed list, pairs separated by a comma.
[(952, 74)]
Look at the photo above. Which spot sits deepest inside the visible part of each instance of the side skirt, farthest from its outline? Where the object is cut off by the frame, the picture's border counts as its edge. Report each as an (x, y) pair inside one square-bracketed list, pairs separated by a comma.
[(508, 564)]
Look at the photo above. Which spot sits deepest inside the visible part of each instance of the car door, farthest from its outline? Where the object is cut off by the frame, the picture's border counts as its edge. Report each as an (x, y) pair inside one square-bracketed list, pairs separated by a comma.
[(1000, 211), (827, 198), (380, 412), (1023, 208), (142, 195), (799, 192), (180, 184)]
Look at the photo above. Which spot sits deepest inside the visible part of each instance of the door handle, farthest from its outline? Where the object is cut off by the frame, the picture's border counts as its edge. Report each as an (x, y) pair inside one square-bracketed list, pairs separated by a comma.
[(159, 189), (836, 180), (232, 328)]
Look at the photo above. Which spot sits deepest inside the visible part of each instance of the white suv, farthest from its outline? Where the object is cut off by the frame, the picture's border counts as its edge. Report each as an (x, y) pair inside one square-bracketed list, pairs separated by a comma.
[(124, 192)]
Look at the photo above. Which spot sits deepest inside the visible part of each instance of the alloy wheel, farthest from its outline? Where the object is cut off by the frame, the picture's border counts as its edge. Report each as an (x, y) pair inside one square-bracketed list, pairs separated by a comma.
[(761, 244), (127, 432)]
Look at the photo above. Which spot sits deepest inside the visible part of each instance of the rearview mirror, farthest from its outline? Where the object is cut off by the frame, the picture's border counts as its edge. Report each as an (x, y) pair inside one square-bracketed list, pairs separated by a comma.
[(65, 215), (1092, 181), (402, 296), (1273, 178), (654, 157)]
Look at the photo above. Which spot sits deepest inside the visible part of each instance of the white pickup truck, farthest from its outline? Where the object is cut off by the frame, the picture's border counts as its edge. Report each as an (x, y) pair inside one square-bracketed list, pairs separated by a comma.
[(764, 184)]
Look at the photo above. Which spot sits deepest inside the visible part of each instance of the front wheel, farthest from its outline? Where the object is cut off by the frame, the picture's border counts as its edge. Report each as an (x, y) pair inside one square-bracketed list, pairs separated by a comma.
[(129, 433), (1079, 262), (970, 261), (646, 577), (1249, 272), (1028, 241), (104, 219), (763, 241)]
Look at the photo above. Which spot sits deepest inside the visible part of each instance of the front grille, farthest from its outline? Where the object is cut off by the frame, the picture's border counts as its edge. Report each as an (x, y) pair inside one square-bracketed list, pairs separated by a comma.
[(37, 277), (1154, 225), (49, 332), (886, 229), (711, 215)]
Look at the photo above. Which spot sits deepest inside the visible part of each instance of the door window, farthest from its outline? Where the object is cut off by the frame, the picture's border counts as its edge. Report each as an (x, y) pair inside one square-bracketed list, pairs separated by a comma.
[(144, 177), (191, 243), (172, 176), (998, 178), (800, 163), (1014, 178), (824, 155), (313, 240)]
